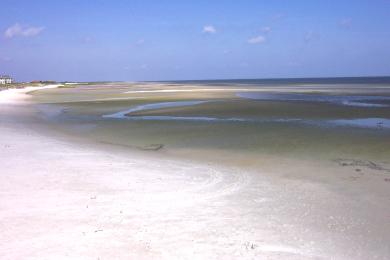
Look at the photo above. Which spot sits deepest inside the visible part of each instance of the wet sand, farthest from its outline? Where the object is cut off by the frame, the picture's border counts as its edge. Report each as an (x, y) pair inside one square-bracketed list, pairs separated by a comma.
[(66, 195), (223, 121)]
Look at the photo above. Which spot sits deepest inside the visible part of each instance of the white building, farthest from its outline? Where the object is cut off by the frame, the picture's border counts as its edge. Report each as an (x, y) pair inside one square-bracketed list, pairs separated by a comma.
[(5, 80)]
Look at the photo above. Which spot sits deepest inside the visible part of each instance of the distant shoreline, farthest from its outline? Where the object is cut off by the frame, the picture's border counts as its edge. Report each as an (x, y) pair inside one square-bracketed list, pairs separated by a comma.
[(297, 80), (272, 80)]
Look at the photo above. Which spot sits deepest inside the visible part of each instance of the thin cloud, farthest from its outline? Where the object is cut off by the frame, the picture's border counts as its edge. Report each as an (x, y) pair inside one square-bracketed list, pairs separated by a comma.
[(266, 29), (257, 40), (137, 43), (23, 31), (278, 17), (311, 36), (209, 29), (346, 22), (88, 39), (140, 42)]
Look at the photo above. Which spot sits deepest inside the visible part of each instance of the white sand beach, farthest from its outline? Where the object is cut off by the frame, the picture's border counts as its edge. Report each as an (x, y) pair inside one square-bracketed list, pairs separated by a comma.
[(66, 200)]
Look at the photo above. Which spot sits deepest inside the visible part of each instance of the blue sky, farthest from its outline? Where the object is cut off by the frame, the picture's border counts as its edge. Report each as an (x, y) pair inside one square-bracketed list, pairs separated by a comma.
[(166, 40)]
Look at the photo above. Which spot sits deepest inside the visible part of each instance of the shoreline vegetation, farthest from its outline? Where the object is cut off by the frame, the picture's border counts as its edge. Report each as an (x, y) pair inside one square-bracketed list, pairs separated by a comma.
[(96, 187)]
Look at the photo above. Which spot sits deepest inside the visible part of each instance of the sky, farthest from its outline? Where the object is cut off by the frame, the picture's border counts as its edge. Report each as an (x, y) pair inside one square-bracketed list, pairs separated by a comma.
[(178, 39)]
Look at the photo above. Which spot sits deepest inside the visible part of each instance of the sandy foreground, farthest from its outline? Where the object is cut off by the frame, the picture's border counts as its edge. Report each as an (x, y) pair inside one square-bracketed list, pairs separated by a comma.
[(63, 200)]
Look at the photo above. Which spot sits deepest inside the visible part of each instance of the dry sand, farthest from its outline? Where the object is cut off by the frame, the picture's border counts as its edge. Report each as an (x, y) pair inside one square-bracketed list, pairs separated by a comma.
[(62, 200)]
